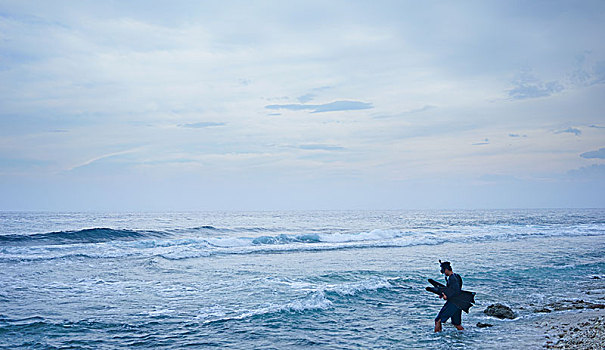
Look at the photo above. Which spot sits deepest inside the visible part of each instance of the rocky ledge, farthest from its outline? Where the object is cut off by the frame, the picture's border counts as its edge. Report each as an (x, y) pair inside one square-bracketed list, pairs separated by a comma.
[(570, 305), (578, 332)]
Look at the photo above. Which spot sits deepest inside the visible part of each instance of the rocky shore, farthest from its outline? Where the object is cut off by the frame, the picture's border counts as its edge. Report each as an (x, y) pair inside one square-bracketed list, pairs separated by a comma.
[(571, 324), (582, 330)]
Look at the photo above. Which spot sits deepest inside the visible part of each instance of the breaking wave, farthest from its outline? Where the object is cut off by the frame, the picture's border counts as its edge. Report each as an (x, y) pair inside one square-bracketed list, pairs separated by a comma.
[(322, 298), (204, 241), (89, 235)]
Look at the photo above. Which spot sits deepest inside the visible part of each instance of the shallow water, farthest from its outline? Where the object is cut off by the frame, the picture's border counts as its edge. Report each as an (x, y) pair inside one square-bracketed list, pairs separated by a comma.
[(329, 280)]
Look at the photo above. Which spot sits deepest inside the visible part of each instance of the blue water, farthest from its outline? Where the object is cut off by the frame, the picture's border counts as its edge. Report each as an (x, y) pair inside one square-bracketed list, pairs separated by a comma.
[(287, 280)]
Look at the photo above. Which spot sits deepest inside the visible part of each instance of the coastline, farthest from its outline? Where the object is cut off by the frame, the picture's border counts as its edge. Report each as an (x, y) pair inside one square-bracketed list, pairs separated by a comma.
[(583, 329)]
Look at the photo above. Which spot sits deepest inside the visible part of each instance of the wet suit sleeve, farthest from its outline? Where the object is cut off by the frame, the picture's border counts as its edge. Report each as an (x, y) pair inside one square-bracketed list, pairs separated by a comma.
[(453, 287)]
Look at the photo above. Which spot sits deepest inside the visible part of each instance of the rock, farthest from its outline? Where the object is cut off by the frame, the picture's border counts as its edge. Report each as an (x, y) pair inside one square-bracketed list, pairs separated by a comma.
[(596, 306), (542, 310), (596, 277), (500, 311), (483, 325)]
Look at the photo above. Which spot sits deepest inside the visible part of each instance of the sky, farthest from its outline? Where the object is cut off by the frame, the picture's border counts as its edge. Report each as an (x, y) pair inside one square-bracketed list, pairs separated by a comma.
[(271, 105)]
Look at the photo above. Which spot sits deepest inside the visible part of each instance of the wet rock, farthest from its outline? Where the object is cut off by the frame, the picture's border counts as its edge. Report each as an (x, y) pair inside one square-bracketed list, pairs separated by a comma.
[(582, 335), (483, 325), (596, 277), (543, 310), (500, 311), (574, 305)]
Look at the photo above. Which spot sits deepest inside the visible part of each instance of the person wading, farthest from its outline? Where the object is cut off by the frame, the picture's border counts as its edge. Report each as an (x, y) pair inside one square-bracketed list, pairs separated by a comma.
[(450, 294)]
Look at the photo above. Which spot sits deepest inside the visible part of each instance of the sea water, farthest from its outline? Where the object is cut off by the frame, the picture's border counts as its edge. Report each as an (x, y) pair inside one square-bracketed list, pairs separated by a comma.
[(287, 280)]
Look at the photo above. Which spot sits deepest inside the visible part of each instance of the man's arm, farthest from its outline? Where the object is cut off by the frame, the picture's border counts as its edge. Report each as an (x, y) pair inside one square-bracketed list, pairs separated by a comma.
[(453, 288)]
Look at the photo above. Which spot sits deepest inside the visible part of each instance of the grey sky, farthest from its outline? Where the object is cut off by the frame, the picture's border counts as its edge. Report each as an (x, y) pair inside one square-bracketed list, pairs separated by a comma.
[(301, 105)]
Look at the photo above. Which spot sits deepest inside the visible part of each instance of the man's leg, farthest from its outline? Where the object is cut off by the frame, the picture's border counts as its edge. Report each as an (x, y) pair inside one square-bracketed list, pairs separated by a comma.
[(438, 326), (443, 316), (457, 320)]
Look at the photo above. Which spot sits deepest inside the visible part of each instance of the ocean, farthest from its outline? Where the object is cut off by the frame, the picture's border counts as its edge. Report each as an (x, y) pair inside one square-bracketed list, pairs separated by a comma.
[(288, 279)]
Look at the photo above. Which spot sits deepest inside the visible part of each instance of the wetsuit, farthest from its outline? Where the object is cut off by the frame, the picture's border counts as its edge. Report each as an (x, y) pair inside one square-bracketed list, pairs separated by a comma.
[(450, 310)]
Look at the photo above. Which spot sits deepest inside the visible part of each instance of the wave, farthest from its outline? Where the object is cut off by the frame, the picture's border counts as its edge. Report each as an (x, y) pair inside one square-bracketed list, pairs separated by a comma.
[(284, 243), (89, 235), (321, 298), (373, 235), (353, 288), (314, 301), (104, 234), (196, 244), (188, 236)]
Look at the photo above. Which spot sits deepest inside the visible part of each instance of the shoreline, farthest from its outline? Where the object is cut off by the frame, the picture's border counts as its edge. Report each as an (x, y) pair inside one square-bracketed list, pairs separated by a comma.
[(584, 329)]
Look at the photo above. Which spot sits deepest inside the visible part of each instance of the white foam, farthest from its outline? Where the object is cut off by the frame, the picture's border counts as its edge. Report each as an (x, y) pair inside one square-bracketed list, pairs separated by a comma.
[(373, 235), (313, 301), (352, 288)]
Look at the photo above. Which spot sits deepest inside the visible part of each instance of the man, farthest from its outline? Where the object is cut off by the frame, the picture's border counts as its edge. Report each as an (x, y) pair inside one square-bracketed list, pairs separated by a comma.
[(451, 293)]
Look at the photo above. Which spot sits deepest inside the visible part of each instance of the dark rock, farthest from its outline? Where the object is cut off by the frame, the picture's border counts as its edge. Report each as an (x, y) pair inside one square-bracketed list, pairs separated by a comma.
[(596, 277), (500, 311), (542, 310), (483, 325), (596, 306)]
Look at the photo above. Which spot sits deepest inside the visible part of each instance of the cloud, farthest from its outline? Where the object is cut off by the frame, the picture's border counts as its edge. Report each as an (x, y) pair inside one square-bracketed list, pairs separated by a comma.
[(419, 110), (588, 71), (596, 126), (516, 135), (104, 156), (485, 142), (574, 131), (326, 107), (201, 125), (523, 91), (599, 154), (321, 147), (407, 113), (306, 98), (165, 66), (591, 172), (528, 86)]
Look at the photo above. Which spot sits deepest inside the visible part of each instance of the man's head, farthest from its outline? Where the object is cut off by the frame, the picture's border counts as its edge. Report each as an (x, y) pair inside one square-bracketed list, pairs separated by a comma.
[(446, 268)]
